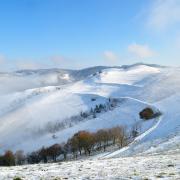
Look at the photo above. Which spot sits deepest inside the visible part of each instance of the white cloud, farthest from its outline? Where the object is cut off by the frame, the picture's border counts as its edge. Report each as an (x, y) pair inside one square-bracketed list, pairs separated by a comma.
[(163, 14), (64, 62), (110, 56), (58, 60), (48, 62), (178, 42), (3, 62), (141, 51), (28, 65), (2, 59)]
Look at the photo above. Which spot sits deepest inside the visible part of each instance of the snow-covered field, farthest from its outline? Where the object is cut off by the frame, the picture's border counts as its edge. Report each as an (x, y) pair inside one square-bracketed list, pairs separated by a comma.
[(31, 101), (158, 166)]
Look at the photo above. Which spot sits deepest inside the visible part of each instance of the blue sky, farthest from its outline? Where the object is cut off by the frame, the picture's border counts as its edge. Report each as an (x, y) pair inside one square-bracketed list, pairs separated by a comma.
[(81, 33)]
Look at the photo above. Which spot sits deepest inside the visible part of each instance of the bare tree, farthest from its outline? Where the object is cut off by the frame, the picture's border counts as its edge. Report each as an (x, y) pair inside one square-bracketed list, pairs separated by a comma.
[(19, 157), (54, 151)]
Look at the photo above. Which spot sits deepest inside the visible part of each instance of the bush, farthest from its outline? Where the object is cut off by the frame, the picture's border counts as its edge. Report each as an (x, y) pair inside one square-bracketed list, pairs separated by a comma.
[(17, 178), (147, 113)]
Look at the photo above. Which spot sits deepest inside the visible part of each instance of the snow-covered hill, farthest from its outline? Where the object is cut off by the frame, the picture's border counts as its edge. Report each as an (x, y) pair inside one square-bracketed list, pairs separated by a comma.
[(32, 103)]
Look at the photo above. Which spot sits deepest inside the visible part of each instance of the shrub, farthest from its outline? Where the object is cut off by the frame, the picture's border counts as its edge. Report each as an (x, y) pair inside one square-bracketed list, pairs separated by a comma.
[(146, 113), (17, 178)]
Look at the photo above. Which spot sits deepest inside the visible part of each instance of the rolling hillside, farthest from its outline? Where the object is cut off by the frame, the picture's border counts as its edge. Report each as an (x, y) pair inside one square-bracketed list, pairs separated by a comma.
[(34, 103)]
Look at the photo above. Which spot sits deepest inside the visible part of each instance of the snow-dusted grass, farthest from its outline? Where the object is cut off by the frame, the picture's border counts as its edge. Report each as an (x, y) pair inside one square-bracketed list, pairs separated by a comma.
[(166, 166)]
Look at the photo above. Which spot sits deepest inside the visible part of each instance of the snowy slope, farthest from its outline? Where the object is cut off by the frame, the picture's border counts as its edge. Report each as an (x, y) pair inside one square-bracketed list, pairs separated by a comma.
[(32, 101), (164, 166), (28, 79)]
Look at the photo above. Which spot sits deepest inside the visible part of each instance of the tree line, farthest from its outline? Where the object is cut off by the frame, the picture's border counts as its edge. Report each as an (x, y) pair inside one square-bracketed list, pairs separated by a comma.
[(82, 143), (53, 127)]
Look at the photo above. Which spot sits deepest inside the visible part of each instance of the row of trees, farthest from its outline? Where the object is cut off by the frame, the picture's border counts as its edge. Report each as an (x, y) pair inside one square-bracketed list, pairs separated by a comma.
[(54, 127), (82, 143), (87, 142)]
